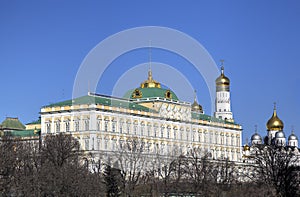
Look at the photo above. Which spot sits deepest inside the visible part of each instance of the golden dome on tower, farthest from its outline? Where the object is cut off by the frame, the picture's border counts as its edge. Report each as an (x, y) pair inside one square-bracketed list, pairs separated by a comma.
[(222, 79), (222, 82), (274, 123)]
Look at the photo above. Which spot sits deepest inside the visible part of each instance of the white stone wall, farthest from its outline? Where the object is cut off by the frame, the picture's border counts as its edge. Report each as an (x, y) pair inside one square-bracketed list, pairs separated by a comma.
[(103, 131)]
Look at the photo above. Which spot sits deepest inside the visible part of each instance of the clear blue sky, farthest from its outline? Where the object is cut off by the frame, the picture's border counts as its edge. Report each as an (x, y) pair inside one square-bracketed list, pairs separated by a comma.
[(42, 44)]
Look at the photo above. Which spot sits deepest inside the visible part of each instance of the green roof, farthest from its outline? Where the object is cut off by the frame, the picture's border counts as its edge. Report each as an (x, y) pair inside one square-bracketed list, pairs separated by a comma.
[(150, 93), (102, 100), (23, 133), (199, 116), (12, 123)]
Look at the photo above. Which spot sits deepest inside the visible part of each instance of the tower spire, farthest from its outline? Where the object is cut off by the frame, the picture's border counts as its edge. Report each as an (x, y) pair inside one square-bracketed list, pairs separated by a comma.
[(222, 66), (274, 110), (255, 128), (195, 95)]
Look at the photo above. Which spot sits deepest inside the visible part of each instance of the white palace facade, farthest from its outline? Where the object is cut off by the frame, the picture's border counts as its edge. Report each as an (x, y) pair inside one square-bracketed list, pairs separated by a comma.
[(152, 115)]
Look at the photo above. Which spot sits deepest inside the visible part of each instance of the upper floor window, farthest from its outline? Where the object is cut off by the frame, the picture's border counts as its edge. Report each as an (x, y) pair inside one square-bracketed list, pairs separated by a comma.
[(67, 124), (142, 130), (121, 127), (77, 125), (175, 131), (135, 130), (128, 128), (98, 125), (106, 125), (162, 132), (48, 127), (57, 124), (87, 125), (113, 127), (199, 137), (148, 130)]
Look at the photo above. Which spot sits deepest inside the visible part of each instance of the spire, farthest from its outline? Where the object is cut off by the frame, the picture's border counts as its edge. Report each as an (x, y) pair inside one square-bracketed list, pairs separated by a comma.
[(293, 129), (150, 74), (222, 66), (195, 95), (150, 82), (274, 110), (255, 129), (150, 62)]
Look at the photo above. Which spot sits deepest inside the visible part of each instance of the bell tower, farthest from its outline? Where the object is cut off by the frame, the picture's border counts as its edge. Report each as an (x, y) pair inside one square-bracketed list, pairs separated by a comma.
[(223, 106)]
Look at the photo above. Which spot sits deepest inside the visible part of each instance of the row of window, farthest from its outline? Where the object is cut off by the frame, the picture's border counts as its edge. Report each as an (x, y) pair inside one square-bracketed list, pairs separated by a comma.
[(162, 132), (66, 125)]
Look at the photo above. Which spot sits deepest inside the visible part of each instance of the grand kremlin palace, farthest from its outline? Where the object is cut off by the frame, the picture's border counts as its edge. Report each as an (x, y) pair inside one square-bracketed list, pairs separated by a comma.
[(152, 115)]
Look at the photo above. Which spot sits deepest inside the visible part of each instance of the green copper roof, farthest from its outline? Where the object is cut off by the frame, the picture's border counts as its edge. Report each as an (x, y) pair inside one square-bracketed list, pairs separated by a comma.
[(22, 133), (150, 93), (12, 123), (199, 116), (102, 100)]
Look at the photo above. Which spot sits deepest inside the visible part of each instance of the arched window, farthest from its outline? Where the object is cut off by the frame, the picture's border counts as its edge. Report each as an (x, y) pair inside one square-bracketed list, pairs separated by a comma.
[(48, 127), (67, 124), (87, 125), (76, 125), (57, 124)]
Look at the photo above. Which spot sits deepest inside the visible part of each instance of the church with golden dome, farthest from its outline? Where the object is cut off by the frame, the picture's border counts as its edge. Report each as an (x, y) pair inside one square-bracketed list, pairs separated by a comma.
[(275, 137), (151, 115)]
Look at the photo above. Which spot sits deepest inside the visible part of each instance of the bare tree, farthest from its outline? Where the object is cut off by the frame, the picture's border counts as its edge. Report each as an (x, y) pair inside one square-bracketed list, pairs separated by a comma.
[(63, 172), (7, 165), (278, 169), (131, 160), (199, 171)]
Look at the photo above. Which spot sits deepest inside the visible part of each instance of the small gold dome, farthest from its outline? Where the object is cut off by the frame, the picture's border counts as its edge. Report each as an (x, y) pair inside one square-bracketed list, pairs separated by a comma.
[(150, 82), (197, 107), (246, 147), (274, 123)]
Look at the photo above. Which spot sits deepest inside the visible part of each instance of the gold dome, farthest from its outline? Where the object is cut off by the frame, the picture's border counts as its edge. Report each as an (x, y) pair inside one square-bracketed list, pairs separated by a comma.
[(222, 82), (274, 123), (150, 82), (246, 147), (222, 79), (195, 106)]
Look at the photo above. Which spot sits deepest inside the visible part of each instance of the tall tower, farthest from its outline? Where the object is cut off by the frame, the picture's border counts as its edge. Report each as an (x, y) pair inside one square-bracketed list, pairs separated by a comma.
[(223, 106)]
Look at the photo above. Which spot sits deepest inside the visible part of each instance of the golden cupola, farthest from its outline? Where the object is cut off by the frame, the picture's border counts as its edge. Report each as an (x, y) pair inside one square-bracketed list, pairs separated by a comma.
[(195, 106), (274, 123), (150, 82), (222, 82)]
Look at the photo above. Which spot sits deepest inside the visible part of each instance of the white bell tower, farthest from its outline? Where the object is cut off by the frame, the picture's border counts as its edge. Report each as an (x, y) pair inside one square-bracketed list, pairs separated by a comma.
[(223, 106)]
